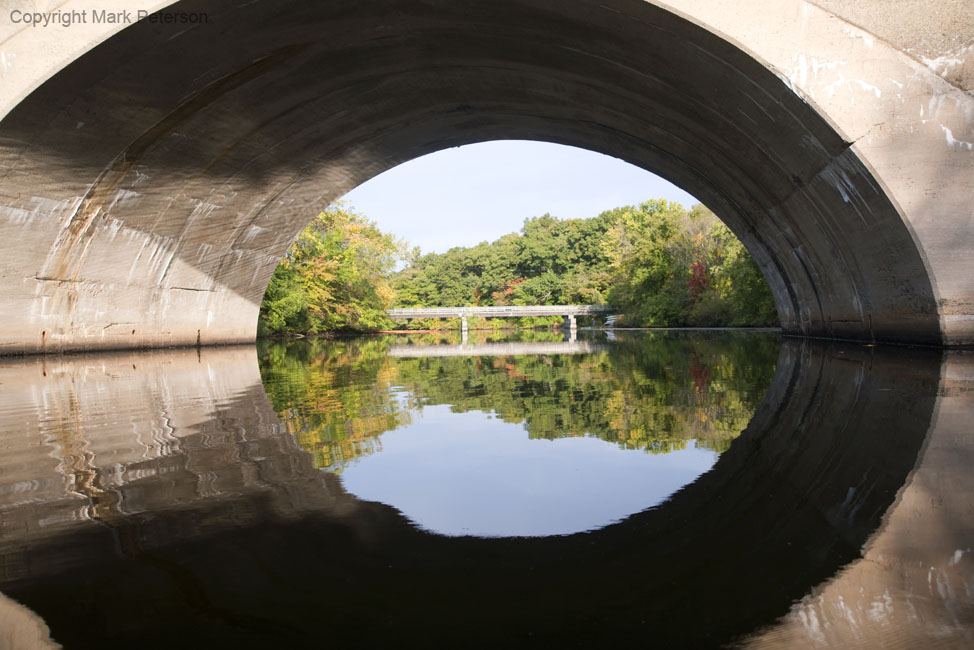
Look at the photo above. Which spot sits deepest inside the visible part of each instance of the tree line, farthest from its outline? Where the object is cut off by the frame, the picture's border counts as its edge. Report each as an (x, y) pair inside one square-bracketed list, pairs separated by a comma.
[(660, 264)]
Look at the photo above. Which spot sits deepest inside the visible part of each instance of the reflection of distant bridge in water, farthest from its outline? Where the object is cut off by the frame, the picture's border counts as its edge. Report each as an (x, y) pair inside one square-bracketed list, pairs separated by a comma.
[(463, 313), (497, 349)]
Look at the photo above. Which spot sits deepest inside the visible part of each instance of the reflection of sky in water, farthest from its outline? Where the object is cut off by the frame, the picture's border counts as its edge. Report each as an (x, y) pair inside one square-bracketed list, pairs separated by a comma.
[(468, 474)]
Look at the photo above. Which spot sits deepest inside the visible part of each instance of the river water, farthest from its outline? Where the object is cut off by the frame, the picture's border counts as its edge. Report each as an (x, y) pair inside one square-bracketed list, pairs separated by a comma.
[(651, 489)]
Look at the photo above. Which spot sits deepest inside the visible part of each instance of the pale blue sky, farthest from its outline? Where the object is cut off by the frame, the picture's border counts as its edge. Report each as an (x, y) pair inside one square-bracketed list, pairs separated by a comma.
[(479, 192), (467, 474)]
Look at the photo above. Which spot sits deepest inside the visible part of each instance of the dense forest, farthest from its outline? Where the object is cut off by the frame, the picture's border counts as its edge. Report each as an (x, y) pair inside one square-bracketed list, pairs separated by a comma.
[(660, 264)]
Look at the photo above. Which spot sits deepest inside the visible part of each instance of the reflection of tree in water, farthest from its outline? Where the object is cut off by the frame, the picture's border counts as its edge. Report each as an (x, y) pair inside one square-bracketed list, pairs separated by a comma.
[(333, 397), (656, 391)]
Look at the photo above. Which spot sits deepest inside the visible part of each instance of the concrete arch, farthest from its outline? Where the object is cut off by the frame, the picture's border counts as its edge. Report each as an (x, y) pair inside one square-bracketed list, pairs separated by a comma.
[(149, 188)]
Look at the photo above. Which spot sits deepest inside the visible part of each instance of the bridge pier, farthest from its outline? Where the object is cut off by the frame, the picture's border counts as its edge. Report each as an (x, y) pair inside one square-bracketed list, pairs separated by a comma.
[(463, 326), (570, 327)]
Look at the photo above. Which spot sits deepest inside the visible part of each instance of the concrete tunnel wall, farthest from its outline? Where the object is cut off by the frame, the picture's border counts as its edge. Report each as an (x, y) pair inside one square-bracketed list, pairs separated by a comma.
[(149, 185)]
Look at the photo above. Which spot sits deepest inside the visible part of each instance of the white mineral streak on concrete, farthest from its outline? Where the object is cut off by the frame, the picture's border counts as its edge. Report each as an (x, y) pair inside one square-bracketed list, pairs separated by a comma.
[(123, 198), (153, 257), (953, 142), (114, 227), (943, 64), (140, 176), (202, 209), (7, 60), (868, 87), (16, 216), (204, 251), (799, 73), (252, 232), (40, 207), (162, 250), (837, 180)]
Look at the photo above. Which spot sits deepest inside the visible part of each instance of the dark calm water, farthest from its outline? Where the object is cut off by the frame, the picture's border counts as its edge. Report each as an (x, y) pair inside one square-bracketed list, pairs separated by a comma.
[(665, 489)]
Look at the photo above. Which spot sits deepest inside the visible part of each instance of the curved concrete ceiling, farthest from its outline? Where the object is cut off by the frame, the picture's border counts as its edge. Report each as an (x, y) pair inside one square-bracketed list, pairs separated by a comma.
[(153, 184)]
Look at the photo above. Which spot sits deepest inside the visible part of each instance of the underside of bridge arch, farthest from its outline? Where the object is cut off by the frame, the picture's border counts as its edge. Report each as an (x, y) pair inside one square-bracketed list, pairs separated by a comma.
[(150, 188)]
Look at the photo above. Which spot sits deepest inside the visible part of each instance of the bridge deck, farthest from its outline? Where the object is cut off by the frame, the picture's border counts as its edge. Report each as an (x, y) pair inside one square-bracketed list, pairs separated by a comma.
[(501, 312)]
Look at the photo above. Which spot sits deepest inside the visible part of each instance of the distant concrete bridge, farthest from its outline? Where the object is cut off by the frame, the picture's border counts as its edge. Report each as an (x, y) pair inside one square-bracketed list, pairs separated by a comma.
[(463, 313), (152, 174)]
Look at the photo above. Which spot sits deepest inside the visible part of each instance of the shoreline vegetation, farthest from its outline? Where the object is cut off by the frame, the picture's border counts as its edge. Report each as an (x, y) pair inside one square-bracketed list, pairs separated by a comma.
[(661, 265)]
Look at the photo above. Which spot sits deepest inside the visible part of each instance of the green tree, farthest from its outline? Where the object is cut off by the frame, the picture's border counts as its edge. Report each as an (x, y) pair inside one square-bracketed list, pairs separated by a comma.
[(677, 267), (647, 273), (335, 276)]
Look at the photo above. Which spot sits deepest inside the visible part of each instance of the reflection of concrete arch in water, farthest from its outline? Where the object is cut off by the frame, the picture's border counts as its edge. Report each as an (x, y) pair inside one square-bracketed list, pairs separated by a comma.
[(263, 547), (496, 349), (109, 437), (921, 554)]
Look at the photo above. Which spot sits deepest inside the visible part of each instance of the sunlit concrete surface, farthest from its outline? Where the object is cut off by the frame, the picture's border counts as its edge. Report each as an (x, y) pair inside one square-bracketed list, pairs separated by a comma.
[(152, 176)]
